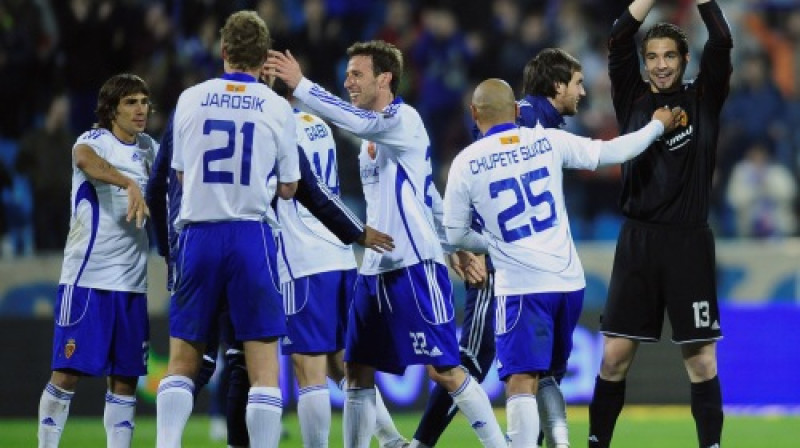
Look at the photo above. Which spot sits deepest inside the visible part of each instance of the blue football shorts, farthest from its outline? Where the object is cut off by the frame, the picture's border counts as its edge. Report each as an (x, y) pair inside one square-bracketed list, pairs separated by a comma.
[(533, 332), (99, 332), (316, 311), (403, 317)]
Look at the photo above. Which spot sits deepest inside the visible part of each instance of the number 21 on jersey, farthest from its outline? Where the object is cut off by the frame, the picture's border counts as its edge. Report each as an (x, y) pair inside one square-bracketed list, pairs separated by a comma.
[(228, 152)]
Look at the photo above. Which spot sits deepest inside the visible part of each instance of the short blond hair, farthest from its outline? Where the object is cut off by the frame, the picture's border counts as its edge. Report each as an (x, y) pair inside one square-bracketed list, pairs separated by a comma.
[(245, 40)]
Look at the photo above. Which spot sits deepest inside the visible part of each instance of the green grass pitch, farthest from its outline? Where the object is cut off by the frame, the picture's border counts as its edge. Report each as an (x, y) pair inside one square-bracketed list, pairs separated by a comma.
[(650, 427)]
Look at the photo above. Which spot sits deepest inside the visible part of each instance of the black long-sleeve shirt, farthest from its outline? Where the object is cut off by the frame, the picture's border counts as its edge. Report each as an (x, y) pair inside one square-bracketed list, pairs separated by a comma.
[(670, 183)]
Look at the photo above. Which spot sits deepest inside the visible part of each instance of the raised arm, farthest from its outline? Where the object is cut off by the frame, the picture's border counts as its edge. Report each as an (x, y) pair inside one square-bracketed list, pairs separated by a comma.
[(367, 124), (640, 8)]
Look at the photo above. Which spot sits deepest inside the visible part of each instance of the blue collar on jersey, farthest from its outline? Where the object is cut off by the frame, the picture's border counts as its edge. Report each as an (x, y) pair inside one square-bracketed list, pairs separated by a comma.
[(541, 110), (239, 76), (496, 129)]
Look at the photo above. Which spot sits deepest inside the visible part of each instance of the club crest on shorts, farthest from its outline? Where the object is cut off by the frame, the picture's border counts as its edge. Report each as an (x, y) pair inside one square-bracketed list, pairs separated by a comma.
[(69, 348)]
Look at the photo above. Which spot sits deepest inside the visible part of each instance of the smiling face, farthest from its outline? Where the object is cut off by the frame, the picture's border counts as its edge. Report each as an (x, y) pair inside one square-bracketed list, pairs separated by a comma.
[(361, 82), (568, 95), (130, 117), (664, 64)]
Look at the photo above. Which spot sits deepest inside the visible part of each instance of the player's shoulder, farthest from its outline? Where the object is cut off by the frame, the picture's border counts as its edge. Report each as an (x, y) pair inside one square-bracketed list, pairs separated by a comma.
[(97, 138), (475, 149), (146, 142), (305, 118)]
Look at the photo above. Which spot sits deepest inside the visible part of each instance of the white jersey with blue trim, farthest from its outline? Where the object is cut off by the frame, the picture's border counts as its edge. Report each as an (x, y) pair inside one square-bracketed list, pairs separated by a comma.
[(395, 173), (104, 250), (230, 135), (513, 179), (306, 246)]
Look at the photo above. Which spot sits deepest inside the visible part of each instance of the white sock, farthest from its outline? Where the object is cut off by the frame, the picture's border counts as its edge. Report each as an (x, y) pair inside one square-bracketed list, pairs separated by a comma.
[(552, 412), (263, 415), (173, 406), (473, 402), (417, 444), (359, 417), (523, 420), (385, 430), (53, 413), (118, 420), (314, 414)]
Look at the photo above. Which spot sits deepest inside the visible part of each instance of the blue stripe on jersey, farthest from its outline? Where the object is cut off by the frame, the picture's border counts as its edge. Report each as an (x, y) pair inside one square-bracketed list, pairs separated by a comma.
[(402, 178), (326, 97), (87, 192)]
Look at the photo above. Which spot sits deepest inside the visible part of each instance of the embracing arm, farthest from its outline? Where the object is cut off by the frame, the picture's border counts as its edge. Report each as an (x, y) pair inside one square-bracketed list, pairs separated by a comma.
[(628, 146), (364, 123), (326, 206)]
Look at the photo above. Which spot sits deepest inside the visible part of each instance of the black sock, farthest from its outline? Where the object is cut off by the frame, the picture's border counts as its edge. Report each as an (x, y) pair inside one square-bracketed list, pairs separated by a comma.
[(707, 412), (238, 389), (606, 405)]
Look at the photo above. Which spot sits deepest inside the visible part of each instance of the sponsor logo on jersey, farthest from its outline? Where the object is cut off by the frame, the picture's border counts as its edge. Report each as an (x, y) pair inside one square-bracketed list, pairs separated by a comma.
[(680, 139), (69, 348), (235, 88)]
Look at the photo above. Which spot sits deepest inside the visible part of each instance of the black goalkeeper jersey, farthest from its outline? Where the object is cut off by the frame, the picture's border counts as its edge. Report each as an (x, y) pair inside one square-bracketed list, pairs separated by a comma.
[(670, 183)]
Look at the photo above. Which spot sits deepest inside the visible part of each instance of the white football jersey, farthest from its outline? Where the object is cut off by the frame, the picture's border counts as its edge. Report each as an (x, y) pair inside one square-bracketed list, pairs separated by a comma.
[(229, 135), (306, 246), (395, 173), (513, 179), (104, 250)]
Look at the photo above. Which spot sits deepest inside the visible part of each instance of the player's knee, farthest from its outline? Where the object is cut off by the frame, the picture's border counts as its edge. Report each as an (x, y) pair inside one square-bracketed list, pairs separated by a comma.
[(614, 368), (451, 377), (701, 368)]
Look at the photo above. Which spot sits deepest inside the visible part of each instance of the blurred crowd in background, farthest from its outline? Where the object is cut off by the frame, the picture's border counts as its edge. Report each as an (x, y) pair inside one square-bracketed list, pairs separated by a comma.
[(55, 54)]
